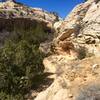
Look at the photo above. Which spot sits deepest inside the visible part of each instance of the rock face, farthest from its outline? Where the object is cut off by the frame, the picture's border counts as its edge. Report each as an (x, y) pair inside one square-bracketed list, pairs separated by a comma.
[(16, 10), (17, 19), (75, 51), (81, 27), (72, 78), (76, 59)]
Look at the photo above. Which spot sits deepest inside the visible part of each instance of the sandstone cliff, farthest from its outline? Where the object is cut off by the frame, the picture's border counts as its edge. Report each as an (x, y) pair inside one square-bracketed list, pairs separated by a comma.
[(16, 18), (73, 46), (75, 62)]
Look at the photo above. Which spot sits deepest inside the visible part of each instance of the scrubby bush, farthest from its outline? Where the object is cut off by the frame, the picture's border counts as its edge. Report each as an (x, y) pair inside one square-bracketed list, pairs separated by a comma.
[(5, 96), (82, 52), (21, 67), (19, 64)]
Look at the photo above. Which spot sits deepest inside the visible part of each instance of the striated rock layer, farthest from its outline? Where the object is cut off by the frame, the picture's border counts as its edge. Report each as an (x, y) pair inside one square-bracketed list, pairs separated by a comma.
[(81, 27), (75, 49), (16, 19)]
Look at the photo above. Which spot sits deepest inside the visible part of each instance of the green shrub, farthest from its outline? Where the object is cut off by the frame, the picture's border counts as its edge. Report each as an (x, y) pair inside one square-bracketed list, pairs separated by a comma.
[(21, 67), (82, 52), (33, 34), (19, 64), (4, 96)]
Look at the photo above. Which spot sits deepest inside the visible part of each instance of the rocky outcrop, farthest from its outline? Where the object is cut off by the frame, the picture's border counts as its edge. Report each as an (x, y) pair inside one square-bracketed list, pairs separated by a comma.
[(16, 19), (74, 80), (89, 33), (81, 27), (71, 26), (75, 62), (74, 52), (12, 10)]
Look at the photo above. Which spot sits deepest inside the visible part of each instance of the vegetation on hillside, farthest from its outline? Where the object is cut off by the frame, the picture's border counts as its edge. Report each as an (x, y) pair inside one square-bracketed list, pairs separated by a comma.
[(20, 64)]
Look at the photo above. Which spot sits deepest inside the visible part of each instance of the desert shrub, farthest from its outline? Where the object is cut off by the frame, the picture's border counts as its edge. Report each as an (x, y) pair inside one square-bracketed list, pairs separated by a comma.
[(21, 67), (20, 62), (4, 96), (90, 54), (82, 52), (55, 14), (33, 34)]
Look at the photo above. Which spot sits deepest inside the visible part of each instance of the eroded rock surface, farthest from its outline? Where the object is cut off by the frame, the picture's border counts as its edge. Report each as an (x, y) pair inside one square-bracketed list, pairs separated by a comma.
[(16, 19), (76, 59), (71, 78), (81, 27)]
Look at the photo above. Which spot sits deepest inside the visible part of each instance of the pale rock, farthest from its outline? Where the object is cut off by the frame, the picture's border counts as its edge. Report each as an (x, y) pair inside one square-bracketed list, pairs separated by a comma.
[(66, 34), (8, 4), (71, 26), (54, 62), (93, 13), (45, 47), (57, 25), (74, 78), (55, 92), (79, 31), (87, 29)]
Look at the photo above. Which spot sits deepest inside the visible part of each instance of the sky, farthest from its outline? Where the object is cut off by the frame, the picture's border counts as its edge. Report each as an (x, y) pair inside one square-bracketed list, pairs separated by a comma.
[(62, 7)]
